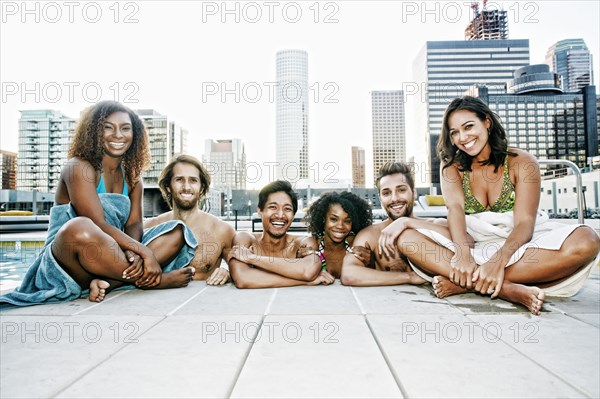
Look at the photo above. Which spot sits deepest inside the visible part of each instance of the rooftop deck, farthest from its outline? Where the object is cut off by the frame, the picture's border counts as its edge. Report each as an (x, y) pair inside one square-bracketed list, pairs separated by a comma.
[(333, 341)]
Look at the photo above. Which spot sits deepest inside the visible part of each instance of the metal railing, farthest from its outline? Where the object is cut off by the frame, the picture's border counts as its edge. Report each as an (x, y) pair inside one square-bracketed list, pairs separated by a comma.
[(578, 183)]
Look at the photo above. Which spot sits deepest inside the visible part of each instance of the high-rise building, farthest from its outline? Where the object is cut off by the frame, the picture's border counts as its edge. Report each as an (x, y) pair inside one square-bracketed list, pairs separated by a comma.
[(388, 121), (44, 137), (488, 24), (225, 161), (159, 139), (178, 139), (291, 141), (8, 166), (358, 167), (572, 60), (446, 69), (542, 120)]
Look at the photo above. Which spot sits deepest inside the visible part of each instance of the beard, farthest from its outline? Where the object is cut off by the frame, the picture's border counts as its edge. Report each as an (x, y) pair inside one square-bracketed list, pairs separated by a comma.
[(185, 205), (408, 210)]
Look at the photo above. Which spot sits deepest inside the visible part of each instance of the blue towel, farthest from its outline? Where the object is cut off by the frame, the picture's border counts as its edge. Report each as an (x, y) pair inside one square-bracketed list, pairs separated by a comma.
[(47, 282)]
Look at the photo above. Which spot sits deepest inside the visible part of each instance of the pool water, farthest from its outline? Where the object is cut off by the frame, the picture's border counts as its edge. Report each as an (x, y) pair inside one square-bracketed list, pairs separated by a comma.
[(15, 259)]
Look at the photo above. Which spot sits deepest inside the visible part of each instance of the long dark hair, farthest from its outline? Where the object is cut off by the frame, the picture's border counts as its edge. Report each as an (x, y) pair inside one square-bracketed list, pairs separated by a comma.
[(450, 154)]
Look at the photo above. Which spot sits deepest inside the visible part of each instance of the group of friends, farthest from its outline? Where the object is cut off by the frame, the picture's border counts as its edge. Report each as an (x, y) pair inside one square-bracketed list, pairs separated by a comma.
[(98, 205)]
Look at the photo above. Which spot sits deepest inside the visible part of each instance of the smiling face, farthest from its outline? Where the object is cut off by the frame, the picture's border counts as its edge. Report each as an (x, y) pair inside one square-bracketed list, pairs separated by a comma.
[(117, 134), (397, 198), (277, 214), (469, 133), (337, 223), (185, 186)]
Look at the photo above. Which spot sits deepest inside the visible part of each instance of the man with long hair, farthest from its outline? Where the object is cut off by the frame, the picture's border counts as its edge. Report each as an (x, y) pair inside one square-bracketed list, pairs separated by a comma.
[(183, 183)]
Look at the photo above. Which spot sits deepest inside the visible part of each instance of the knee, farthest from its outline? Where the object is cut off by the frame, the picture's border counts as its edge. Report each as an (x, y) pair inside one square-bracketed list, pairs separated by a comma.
[(408, 242), (79, 229), (584, 245), (176, 236)]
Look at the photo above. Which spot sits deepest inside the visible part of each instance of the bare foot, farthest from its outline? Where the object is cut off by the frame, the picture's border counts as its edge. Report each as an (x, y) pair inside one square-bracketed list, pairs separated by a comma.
[(530, 297), (98, 290), (177, 278), (442, 287)]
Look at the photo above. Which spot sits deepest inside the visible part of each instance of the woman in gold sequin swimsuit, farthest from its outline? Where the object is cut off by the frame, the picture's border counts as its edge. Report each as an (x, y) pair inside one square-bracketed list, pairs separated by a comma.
[(484, 179), (481, 173)]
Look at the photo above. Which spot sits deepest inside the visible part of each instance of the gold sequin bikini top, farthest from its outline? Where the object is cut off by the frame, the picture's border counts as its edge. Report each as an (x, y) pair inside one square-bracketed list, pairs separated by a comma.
[(504, 203)]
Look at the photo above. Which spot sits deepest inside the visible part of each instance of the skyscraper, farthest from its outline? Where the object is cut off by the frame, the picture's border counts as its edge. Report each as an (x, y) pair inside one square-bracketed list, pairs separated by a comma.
[(225, 161), (446, 69), (44, 137), (388, 121), (8, 166), (358, 167), (291, 141), (572, 60), (178, 139), (489, 24)]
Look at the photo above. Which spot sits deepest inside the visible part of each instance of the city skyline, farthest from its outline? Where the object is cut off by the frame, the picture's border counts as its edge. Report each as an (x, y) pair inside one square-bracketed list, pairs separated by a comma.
[(207, 74)]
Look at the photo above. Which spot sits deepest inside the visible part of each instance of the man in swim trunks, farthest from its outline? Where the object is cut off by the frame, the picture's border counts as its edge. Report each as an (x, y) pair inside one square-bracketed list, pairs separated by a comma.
[(183, 183)]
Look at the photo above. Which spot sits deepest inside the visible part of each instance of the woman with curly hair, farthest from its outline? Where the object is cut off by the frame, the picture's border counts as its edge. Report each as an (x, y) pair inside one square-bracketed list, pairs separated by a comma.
[(334, 219), (95, 238)]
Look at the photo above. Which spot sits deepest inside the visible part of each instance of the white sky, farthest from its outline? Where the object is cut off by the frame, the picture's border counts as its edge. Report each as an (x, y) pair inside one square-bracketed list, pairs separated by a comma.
[(172, 50)]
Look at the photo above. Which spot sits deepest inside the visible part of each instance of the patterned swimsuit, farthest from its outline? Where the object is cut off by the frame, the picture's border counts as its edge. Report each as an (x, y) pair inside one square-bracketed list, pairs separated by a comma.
[(321, 251), (504, 203)]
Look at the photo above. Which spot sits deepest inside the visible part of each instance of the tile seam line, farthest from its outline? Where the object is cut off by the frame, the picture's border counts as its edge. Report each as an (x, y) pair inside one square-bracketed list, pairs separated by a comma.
[(100, 363), (92, 368), (186, 302), (558, 376), (380, 347), (118, 294), (247, 354)]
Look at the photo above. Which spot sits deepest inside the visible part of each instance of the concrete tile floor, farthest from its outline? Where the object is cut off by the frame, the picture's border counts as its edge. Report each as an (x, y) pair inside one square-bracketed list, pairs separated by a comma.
[(332, 341)]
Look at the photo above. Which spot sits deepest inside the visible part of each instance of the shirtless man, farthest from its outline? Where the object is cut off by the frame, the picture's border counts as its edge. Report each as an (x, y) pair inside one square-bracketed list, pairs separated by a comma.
[(183, 183), (275, 258), (397, 194)]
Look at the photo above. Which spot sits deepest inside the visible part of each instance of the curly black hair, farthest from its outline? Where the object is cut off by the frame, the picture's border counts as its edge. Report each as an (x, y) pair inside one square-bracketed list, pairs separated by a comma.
[(358, 209), (87, 141)]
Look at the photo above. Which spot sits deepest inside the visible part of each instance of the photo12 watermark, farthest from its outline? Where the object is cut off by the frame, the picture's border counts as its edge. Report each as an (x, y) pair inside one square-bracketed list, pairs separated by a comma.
[(54, 12), (253, 12), (269, 331), (255, 92), (253, 172), (461, 11), (68, 331), (469, 332), (56, 92)]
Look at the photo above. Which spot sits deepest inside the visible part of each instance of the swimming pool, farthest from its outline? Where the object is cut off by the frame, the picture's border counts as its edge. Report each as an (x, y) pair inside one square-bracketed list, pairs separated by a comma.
[(15, 259)]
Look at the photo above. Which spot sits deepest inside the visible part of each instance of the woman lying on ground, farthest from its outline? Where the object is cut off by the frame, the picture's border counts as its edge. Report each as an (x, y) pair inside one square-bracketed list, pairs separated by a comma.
[(334, 219), (95, 237)]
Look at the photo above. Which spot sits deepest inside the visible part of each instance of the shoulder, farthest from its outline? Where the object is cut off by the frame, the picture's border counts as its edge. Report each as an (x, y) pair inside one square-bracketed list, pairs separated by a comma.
[(244, 238), (218, 227), (303, 241), (77, 169), (369, 234), (155, 221), (523, 165), (521, 157), (451, 172)]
